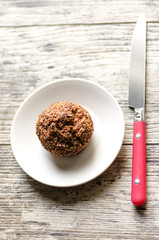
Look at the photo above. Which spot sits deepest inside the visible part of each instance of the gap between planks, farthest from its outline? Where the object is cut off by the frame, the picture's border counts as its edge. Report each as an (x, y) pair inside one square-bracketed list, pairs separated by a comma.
[(73, 24)]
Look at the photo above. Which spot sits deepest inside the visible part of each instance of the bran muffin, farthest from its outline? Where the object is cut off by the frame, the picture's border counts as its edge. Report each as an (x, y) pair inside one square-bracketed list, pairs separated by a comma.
[(64, 128)]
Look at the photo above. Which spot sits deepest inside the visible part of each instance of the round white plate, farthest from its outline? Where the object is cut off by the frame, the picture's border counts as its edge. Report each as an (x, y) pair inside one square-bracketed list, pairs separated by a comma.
[(71, 171)]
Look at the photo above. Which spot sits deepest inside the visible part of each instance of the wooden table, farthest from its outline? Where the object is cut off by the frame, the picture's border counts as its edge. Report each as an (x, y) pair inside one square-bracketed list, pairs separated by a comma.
[(42, 41)]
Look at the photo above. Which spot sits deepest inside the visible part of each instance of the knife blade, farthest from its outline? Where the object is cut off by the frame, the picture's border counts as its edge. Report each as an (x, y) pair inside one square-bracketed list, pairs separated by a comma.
[(136, 100)]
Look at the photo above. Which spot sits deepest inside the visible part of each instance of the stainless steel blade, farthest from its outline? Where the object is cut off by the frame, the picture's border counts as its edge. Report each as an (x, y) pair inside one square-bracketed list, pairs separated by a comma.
[(137, 66)]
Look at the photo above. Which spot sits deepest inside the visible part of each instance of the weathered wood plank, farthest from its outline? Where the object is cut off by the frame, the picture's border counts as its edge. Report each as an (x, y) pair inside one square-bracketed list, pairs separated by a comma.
[(37, 12), (96, 210), (32, 56)]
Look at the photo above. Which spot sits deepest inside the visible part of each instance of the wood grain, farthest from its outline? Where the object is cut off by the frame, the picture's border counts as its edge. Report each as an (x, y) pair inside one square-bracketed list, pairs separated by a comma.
[(51, 12), (42, 41)]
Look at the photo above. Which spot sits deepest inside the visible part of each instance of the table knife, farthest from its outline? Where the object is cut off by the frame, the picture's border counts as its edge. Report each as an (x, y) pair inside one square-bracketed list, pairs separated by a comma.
[(136, 100)]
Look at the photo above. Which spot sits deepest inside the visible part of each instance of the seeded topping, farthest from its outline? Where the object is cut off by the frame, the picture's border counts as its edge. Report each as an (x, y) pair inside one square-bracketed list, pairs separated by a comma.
[(64, 128)]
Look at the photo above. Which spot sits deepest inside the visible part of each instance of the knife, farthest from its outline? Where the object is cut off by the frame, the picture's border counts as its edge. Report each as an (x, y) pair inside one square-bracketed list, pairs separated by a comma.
[(136, 100)]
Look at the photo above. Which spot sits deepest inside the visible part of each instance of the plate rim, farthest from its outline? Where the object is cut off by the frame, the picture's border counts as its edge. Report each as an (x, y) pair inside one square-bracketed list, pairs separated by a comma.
[(56, 82)]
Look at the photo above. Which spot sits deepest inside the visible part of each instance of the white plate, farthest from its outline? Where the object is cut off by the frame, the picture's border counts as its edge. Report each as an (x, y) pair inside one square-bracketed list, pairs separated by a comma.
[(101, 152)]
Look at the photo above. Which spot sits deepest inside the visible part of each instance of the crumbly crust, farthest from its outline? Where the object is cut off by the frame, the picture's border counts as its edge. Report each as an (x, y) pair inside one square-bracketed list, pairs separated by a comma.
[(64, 128)]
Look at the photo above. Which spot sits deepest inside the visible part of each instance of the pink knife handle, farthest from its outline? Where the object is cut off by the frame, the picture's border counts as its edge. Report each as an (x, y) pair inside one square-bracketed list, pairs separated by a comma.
[(138, 189)]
